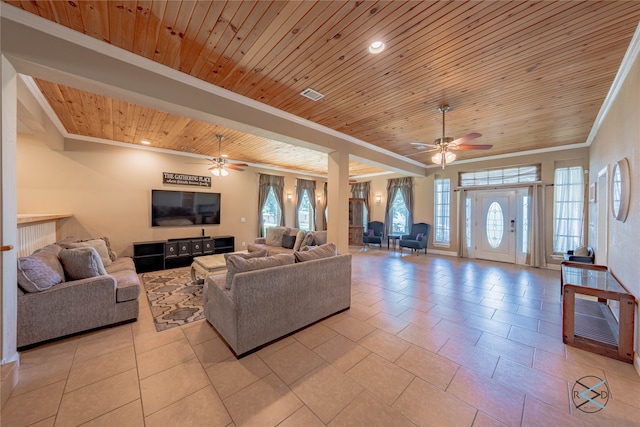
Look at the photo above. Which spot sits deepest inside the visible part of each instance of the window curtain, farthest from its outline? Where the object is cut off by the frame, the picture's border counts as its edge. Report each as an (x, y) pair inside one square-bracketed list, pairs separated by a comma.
[(536, 256), (326, 203), (463, 249), (310, 187), (266, 183), (362, 190), (405, 186)]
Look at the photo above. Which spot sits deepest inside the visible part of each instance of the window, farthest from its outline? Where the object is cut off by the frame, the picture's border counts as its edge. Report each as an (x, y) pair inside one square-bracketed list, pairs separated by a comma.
[(304, 212), (525, 224), (442, 212), (399, 215), (467, 208), (513, 175), (568, 205), (270, 213), (495, 225)]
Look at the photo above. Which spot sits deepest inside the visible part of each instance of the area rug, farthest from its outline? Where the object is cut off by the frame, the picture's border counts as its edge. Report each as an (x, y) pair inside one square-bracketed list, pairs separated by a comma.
[(174, 300)]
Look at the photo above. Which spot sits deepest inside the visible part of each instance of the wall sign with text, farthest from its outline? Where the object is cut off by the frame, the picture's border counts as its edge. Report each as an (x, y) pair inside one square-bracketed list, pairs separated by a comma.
[(185, 179)]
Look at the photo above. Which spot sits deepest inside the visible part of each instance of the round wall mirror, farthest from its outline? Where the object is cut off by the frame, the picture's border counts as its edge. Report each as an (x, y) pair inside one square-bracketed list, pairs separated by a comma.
[(620, 183)]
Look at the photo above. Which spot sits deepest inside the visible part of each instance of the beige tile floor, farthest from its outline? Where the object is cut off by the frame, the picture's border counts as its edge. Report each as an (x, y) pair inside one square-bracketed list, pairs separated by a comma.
[(428, 341)]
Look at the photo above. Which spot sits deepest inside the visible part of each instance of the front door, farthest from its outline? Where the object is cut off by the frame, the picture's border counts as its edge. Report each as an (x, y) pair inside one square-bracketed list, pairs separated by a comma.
[(495, 226)]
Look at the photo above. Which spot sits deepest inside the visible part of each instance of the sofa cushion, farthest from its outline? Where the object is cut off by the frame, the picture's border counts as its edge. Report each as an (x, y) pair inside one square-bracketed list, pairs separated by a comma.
[(288, 241), (39, 271), (319, 238), (120, 264), (81, 263), (299, 238), (53, 248), (323, 251), (581, 251), (307, 241), (260, 253), (236, 264), (274, 235), (98, 244)]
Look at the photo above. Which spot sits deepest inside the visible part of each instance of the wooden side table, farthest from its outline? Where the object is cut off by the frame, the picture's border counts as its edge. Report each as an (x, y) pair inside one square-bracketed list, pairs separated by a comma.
[(587, 319)]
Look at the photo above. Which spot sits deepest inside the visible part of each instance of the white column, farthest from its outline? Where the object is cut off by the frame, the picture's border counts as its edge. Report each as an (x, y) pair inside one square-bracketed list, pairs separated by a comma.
[(8, 214), (338, 203)]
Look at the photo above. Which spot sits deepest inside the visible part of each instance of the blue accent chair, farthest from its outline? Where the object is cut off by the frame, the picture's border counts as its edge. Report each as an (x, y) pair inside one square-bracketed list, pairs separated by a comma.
[(417, 238), (374, 233)]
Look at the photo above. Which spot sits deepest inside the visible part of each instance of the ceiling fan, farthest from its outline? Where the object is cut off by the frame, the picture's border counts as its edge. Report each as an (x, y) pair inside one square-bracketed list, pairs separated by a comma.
[(219, 165), (443, 144)]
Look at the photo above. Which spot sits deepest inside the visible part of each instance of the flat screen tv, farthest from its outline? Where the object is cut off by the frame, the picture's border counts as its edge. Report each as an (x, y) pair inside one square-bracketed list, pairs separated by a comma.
[(184, 208)]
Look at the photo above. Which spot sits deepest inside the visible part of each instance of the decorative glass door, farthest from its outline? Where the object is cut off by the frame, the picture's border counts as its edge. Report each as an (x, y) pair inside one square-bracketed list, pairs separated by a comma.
[(495, 226)]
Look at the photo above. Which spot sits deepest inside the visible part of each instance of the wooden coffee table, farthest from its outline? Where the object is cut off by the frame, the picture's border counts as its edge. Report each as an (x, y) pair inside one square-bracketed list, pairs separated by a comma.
[(208, 265)]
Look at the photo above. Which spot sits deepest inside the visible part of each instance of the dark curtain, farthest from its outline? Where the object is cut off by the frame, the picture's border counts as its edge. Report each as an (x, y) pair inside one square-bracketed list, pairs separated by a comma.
[(266, 183)]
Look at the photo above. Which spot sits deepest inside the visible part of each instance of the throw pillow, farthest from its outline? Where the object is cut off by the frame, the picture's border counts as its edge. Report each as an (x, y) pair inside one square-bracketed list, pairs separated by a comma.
[(112, 254), (319, 237), (238, 264), (419, 236), (274, 235), (81, 263), (288, 242), (39, 271), (307, 241), (98, 244), (299, 238), (581, 251), (323, 251), (255, 254), (371, 233)]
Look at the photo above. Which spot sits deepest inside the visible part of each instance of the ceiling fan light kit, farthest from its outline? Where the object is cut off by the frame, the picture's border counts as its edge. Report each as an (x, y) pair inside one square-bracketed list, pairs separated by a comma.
[(221, 165), (444, 144)]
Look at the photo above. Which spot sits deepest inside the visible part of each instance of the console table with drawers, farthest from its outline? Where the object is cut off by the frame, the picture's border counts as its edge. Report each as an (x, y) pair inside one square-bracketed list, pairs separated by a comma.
[(173, 253)]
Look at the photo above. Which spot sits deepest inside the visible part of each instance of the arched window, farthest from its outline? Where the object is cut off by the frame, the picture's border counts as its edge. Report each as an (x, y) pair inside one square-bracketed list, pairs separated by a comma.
[(399, 215), (271, 212)]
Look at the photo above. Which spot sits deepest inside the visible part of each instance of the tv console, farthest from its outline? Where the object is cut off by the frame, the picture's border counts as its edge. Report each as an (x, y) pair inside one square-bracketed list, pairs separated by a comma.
[(179, 252)]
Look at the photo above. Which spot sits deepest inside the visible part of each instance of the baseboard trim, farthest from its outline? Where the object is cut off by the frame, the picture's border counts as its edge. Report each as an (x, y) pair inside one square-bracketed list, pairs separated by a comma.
[(8, 380)]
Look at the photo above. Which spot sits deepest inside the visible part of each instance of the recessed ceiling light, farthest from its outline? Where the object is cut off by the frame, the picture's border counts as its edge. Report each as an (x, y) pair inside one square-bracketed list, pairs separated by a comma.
[(377, 47), (145, 142)]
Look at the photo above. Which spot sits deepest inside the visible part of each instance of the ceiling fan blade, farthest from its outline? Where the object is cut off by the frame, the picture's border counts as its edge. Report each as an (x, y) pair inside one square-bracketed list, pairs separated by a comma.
[(244, 165), (422, 145), (235, 167), (471, 147), (466, 138)]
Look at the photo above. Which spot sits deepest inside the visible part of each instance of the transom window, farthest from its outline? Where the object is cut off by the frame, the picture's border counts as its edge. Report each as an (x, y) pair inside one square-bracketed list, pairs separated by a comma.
[(512, 175), (442, 205)]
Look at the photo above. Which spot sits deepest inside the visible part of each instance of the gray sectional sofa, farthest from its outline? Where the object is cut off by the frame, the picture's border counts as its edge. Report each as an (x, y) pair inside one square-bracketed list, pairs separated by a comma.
[(265, 304), (48, 310)]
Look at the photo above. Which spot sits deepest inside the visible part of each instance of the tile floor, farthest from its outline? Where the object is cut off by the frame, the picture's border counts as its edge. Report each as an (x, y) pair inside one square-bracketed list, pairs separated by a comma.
[(428, 341)]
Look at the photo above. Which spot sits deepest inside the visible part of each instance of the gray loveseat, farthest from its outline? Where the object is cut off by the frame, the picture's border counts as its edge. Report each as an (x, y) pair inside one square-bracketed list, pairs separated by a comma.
[(73, 305), (264, 305)]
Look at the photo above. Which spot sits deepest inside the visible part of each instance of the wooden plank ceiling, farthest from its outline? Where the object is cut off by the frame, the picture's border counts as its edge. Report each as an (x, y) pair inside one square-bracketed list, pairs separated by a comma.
[(527, 74)]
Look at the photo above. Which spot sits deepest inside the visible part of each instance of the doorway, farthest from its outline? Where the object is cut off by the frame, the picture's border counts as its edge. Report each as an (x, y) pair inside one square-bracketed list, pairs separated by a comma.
[(495, 226)]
